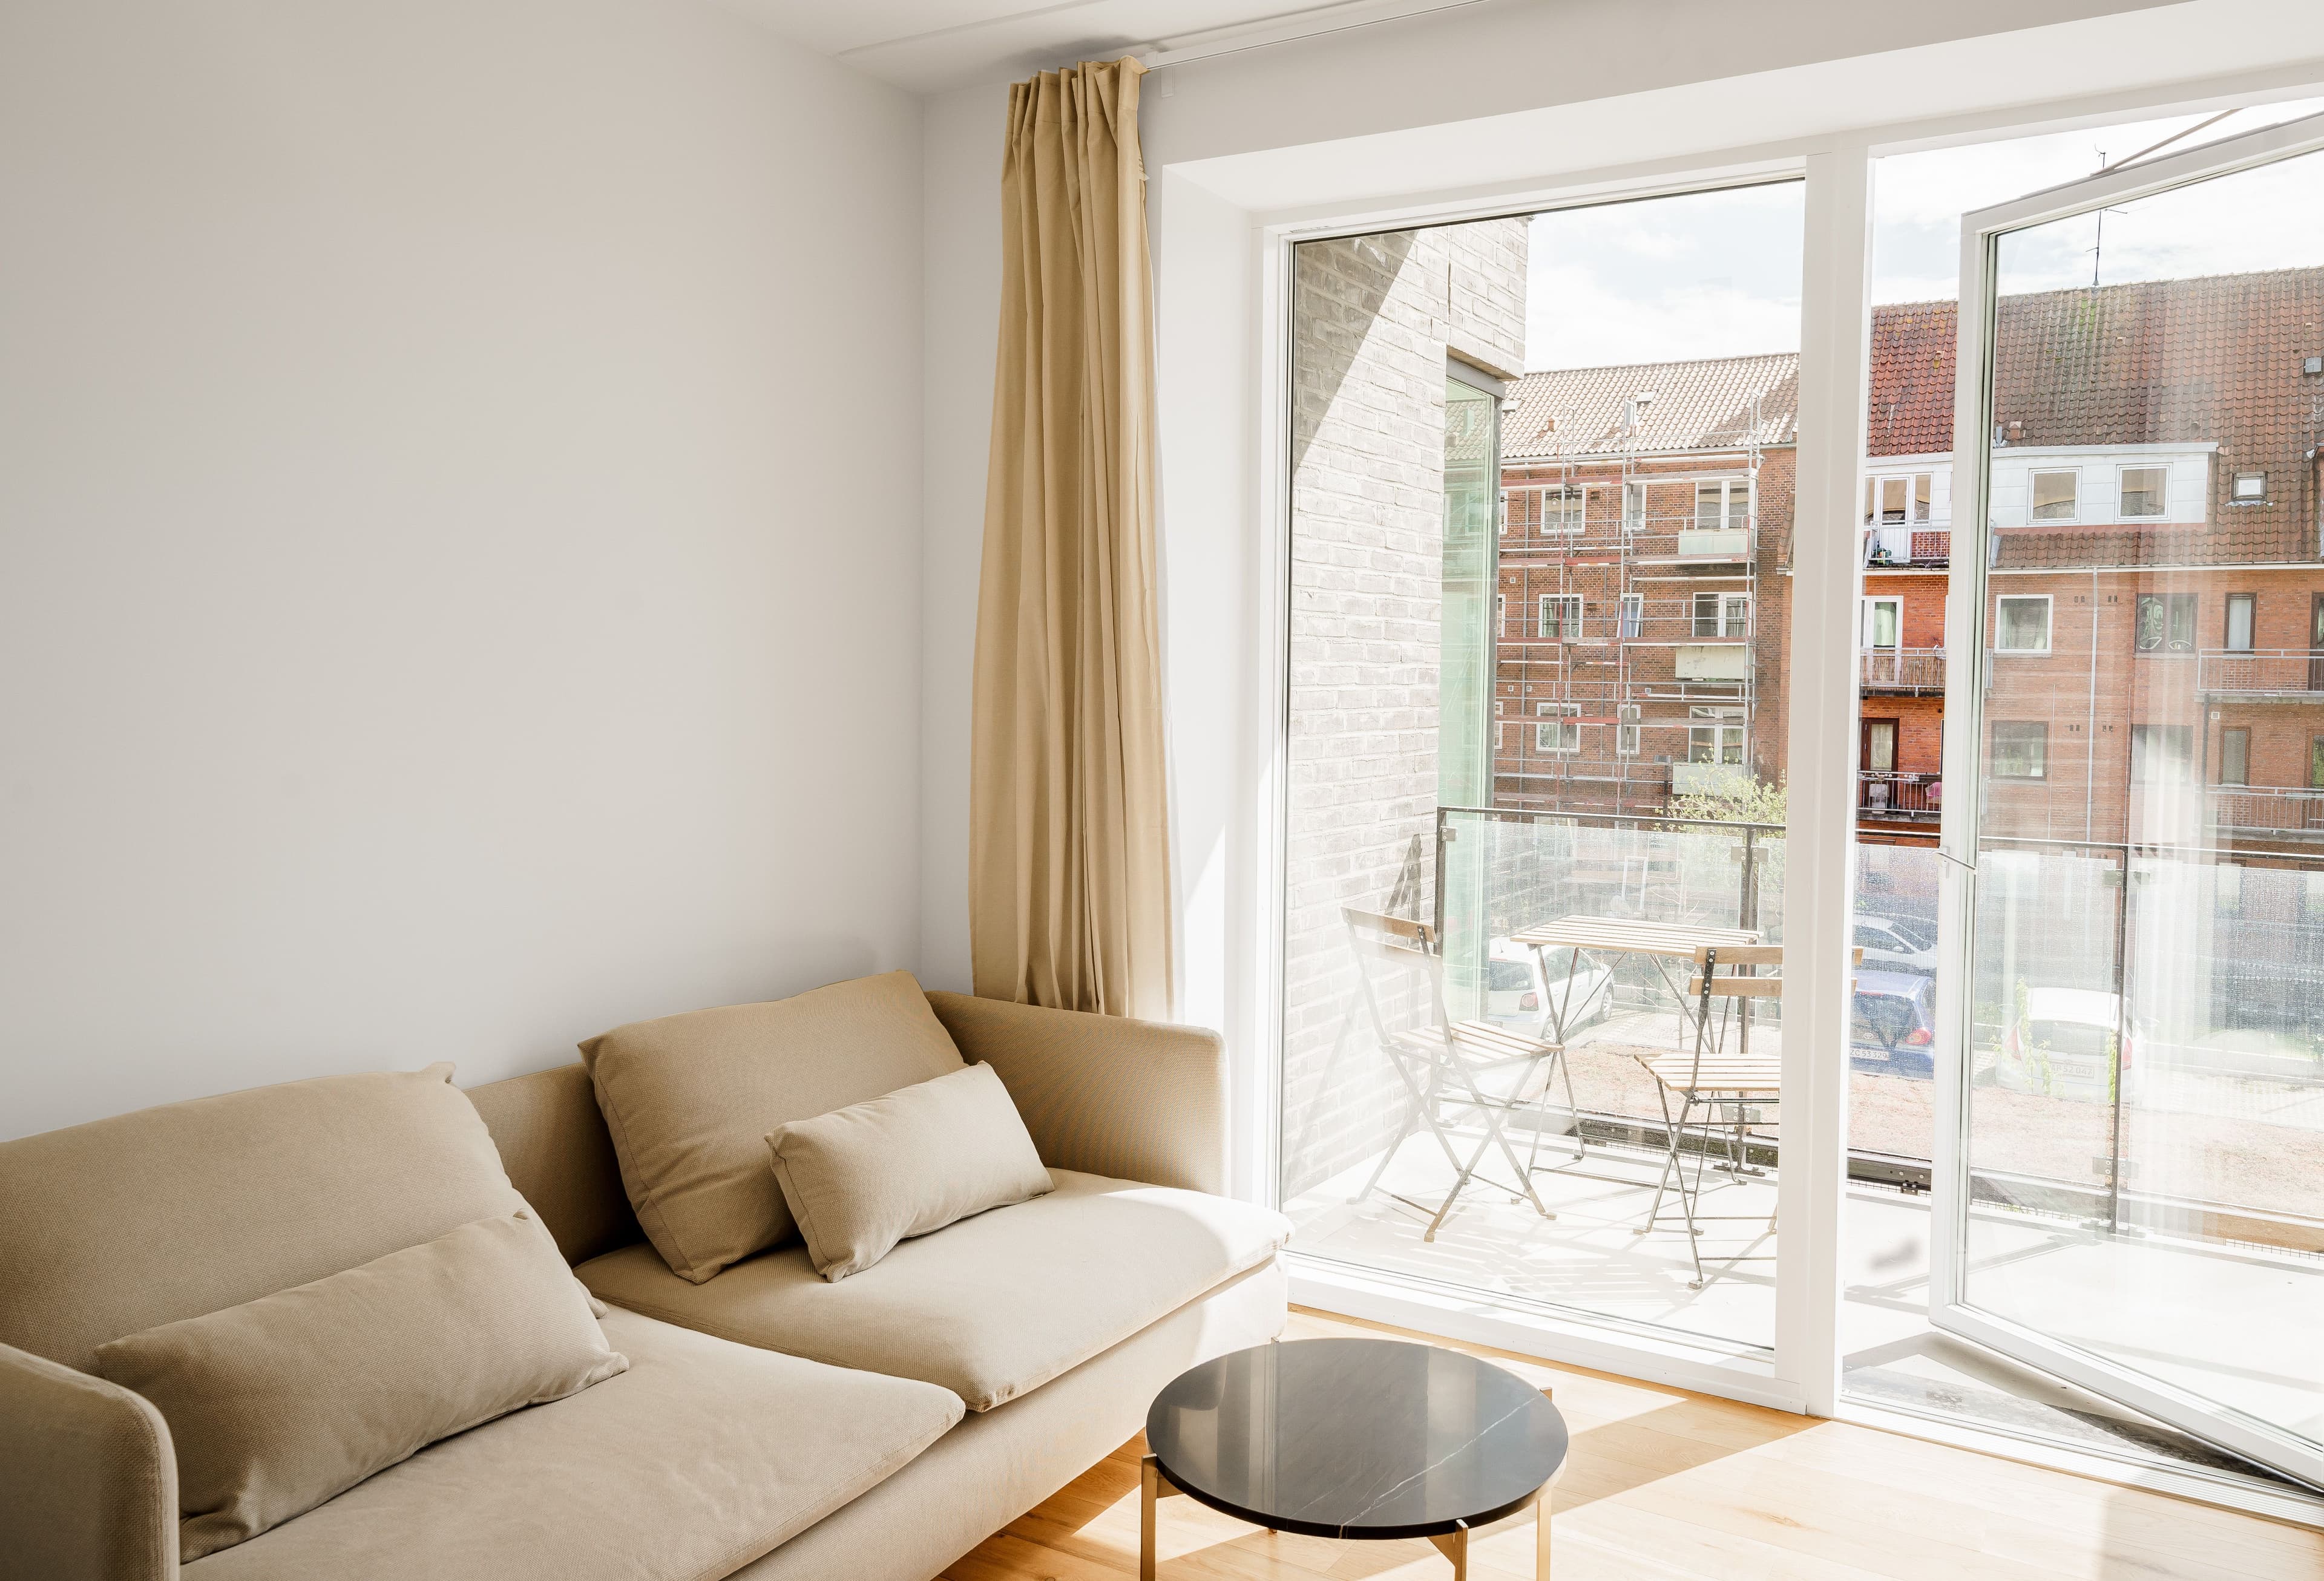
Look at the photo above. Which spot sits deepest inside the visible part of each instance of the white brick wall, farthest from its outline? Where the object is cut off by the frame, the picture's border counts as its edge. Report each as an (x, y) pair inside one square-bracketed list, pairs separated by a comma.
[(1373, 317)]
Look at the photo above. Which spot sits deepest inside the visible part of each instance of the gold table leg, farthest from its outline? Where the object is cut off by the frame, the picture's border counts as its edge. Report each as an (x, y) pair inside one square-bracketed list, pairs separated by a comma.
[(1541, 1532), (1151, 1486), (1454, 1545)]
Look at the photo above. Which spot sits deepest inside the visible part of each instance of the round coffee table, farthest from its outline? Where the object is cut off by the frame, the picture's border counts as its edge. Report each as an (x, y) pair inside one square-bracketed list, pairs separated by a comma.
[(1361, 1438)]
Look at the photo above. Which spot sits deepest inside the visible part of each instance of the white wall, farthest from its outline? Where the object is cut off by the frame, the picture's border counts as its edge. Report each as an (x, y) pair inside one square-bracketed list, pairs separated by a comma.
[(459, 481)]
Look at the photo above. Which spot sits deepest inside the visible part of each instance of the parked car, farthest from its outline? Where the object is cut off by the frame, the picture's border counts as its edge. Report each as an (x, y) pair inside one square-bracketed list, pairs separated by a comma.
[(2061, 1047), (1896, 1023), (1897, 944), (1519, 989)]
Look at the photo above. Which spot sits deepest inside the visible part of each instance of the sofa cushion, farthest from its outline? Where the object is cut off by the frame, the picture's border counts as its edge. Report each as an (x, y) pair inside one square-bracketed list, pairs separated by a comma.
[(990, 1307), (906, 1164), (689, 1100), (280, 1403), (699, 1458), (122, 1223)]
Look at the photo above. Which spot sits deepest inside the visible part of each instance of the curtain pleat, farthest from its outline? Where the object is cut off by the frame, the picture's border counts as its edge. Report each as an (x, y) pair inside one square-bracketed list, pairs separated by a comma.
[(1069, 883)]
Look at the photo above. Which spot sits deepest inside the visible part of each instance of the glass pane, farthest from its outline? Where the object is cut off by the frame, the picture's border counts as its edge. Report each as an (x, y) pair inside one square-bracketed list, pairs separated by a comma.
[(2145, 1116), (1426, 1023)]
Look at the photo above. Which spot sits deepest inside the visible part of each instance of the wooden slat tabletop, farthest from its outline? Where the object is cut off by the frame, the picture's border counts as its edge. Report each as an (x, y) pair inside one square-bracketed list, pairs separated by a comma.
[(1634, 935)]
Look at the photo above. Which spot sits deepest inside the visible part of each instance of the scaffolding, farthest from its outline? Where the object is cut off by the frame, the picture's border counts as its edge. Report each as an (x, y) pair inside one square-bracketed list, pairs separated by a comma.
[(1629, 623)]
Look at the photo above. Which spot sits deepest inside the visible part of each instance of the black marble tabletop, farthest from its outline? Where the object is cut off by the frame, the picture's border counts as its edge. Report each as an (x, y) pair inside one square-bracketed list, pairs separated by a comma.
[(1356, 1437)]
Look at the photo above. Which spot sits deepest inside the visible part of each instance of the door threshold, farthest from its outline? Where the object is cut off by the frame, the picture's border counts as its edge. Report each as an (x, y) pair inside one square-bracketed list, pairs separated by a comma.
[(2221, 1490)]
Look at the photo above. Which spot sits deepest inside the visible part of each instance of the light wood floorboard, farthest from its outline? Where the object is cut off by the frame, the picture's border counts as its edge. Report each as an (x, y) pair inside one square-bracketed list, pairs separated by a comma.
[(1665, 1485)]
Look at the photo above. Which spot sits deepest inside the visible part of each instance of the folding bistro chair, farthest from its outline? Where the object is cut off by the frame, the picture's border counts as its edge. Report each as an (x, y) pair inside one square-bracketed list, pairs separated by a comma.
[(1728, 1088), (1468, 1067)]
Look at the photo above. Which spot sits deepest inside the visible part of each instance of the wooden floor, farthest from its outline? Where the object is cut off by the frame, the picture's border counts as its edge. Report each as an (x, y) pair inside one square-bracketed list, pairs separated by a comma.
[(1663, 1484)]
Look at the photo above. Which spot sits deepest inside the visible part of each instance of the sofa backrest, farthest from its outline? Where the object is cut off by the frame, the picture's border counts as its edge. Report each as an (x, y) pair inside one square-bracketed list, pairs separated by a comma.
[(554, 1143), (113, 1226)]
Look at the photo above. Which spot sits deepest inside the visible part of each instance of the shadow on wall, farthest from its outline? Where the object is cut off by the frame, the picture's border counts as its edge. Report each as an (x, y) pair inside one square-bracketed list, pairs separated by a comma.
[(1344, 284)]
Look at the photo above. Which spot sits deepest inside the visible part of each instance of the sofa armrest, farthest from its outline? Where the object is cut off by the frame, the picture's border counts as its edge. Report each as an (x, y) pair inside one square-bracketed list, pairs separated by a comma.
[(1137, 1100), (89, 1481)]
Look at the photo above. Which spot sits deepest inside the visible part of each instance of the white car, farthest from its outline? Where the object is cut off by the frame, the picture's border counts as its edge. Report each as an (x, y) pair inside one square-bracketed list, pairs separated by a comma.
[(1519, 990), (1897, 944), (2061, 1047)]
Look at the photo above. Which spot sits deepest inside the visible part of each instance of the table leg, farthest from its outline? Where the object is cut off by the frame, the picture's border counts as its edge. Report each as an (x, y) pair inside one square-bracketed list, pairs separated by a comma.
[(1454, 1545), (1152, 1486), (1541, 1535)]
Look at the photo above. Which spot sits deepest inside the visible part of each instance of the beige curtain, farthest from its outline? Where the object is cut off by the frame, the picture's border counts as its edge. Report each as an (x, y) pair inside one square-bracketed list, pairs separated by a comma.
[(1069, 883)]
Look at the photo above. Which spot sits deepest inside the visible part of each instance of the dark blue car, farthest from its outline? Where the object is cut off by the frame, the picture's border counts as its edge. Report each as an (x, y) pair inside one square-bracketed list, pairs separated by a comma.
[(1894, 1024)]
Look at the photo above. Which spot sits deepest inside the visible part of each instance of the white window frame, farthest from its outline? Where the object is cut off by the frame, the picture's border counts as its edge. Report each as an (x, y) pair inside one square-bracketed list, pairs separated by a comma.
[(1501, 614), (1730, 490), (2049, 614), (2236, 495), (1541, 626), (2071, 516), (1634, 615), (1717, 720), (1626, 729), (1872, 624), (1634, 507), (2250, 601), (2162, 512), (1552, 728)]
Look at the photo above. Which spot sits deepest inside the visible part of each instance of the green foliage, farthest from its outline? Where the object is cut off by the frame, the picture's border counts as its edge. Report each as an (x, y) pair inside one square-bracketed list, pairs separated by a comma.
[(1745, 799)]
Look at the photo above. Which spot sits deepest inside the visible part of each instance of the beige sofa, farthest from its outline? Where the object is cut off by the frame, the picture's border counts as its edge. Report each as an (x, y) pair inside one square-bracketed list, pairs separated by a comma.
[(770, 1425)]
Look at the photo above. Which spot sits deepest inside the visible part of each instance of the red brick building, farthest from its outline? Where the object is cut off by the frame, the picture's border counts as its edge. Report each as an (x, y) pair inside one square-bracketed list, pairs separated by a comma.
[(2156, 611), (1643, 611)]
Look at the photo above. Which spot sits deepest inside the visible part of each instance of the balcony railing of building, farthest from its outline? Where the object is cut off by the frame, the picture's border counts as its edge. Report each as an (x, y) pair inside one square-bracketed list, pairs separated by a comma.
[(1908, 548), (1915, 796), (2265, 810), (2293, 673), (1916, 671)]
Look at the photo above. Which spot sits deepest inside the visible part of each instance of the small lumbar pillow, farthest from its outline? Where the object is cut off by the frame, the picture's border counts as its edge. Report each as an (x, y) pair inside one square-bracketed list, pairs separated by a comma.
[(860, 1179), (286, 1401), (689, 1100)]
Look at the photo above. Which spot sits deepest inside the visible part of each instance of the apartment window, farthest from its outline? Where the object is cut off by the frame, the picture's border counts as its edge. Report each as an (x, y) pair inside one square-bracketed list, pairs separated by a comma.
[(1714, 735), (2160, 753), (1634, 613), (2021, 623), (2166, 622), (1561, 616), (2315, 763), (2234, 756), (1726, 503), (1501, 616), (1871, 500), (1565, 510), (2143, 490), (2054, 496), (1626, 731), (2242, 610), (2020, 750), (1634, 507), (2251, 488), (1559, 729), (1883, 623), (1892, 500), (1501, 727), (1722, 614), (1924, 489)]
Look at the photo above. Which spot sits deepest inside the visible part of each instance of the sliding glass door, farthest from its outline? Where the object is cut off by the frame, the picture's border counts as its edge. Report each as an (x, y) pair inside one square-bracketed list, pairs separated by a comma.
[(2130, 1169)]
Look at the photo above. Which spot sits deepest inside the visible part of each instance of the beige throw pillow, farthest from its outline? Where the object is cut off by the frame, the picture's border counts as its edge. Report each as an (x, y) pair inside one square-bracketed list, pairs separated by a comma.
[(286, 1401), (689, 1100), (860, 1179)]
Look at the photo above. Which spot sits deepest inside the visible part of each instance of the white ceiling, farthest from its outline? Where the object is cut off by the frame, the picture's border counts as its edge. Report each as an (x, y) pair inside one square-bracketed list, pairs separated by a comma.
[(927, 45)]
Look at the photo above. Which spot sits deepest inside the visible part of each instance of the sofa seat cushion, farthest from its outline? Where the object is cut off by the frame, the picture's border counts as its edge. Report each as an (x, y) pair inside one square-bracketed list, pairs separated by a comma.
[(699, 1458), (990, 1308)]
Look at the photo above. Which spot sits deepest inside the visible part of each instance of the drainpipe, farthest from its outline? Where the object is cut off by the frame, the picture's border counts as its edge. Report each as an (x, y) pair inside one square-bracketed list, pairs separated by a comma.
[(2090, 720)]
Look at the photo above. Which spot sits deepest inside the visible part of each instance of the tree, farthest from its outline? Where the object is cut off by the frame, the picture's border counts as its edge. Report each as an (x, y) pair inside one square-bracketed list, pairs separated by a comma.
[(1742, 798)]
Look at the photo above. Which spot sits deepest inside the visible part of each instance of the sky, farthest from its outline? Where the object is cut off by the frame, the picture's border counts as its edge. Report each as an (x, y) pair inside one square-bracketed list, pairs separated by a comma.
[(1717, 274)]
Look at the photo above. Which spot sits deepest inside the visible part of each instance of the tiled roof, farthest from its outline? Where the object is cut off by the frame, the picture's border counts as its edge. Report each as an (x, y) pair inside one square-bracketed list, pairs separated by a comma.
[(1911, 411), (1719, 403), (2212, 360)]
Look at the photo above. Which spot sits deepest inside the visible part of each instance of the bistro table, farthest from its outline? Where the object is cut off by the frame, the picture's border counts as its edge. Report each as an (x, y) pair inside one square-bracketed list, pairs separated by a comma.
[(1354, 1439), (1660, 942)]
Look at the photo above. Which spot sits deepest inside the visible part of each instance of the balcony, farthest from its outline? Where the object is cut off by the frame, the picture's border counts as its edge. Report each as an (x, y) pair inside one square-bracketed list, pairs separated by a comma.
[(2261, 810), (1905, 548), (1910, 672), (2294, 674), (1913, 797)]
